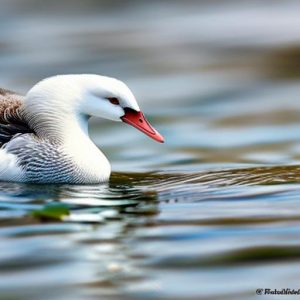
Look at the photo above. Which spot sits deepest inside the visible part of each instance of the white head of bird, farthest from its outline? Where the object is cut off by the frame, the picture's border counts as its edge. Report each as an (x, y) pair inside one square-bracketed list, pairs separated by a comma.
[(56, 105)]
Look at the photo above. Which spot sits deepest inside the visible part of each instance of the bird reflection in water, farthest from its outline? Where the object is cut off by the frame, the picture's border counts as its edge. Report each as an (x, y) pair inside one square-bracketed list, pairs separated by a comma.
[(86, 203)]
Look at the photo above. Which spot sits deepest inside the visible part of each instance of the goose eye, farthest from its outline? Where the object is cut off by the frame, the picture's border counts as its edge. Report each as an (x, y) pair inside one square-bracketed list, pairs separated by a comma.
[(113, 100)]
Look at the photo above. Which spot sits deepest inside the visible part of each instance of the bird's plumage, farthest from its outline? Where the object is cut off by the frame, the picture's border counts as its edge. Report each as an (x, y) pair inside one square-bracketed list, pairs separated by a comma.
[(44, 134), (11, 121)]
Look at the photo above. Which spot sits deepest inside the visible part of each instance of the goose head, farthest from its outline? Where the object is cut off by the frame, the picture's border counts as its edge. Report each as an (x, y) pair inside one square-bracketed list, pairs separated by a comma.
[(86, 95)]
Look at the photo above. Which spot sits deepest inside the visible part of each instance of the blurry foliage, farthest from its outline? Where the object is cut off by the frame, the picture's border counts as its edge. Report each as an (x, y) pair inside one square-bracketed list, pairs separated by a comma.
[(55, 211), (284, 63)]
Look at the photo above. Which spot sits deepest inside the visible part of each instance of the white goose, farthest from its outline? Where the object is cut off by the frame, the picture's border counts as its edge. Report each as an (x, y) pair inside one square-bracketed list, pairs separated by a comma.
[(44, 135)]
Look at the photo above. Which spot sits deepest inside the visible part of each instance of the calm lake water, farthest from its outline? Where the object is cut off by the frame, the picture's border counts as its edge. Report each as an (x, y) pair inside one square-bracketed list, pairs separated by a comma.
[(214, 213)]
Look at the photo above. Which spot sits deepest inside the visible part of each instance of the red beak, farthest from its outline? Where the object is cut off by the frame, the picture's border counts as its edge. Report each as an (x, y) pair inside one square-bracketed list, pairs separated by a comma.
[(138, 120)]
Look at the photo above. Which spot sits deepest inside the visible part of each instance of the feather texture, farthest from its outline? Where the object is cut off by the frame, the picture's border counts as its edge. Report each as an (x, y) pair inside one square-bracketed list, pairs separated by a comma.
[(11, 120), (44, 135), (30, 152)]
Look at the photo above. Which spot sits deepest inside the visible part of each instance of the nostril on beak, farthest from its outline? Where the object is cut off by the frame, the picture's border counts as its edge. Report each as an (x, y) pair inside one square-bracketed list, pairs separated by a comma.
[(140, 120)]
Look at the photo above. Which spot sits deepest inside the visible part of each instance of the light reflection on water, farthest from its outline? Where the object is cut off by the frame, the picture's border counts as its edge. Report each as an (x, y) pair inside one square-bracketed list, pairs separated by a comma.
[(214, 212)]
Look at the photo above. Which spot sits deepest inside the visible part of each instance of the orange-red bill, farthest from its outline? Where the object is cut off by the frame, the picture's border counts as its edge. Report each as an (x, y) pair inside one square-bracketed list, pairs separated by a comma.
[(138, 120)]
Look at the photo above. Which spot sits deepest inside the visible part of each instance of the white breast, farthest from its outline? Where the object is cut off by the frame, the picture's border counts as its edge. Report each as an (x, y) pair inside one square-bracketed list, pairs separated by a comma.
[(9, 167), (91, 162)]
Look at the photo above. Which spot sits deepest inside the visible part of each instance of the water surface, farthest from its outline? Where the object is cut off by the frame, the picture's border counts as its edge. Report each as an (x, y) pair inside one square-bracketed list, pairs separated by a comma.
[(211, 214)]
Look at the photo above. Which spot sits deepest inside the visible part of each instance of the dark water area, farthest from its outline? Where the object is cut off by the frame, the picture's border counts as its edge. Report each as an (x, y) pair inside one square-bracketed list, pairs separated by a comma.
[(214, 213)]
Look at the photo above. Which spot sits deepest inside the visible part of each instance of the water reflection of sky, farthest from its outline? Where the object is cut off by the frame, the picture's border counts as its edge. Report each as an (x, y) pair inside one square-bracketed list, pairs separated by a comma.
[(220, 80)]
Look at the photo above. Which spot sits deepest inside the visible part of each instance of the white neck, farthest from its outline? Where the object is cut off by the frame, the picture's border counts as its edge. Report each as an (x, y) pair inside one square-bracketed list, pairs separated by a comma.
[(69, 133), (77, 143)]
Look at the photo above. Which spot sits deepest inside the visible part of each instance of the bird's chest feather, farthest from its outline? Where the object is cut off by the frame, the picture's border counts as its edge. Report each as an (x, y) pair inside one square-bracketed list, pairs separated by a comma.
[(44, 162)]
